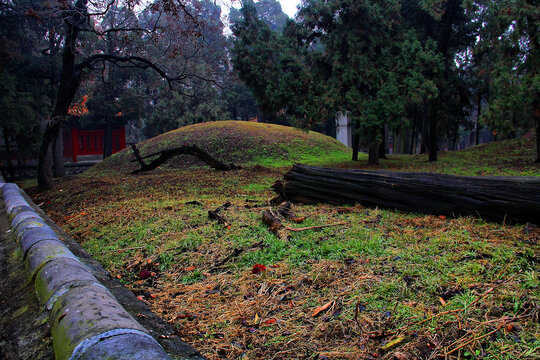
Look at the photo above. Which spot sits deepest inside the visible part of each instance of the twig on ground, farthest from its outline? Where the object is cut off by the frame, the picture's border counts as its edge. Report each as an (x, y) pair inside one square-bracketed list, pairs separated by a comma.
[(315, 227), (235, 253), (214, 215), (476, 339), (274, 224), (122, 249), (285, 211)]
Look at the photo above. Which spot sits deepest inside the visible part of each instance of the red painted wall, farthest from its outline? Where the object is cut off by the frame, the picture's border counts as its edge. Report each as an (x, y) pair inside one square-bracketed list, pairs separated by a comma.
[(90, 142)]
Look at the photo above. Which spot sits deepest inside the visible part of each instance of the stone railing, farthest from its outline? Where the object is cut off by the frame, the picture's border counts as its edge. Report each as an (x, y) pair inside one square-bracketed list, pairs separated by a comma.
[(86, 320)]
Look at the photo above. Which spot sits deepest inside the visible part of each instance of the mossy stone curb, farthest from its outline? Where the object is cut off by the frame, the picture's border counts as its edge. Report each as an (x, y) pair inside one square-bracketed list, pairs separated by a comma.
[(27, 224), (83, 313), (34, 235), (133, 346), (23, 216), (87, 322), (58, 276), (15, 203), (19, 209), (44, 252)]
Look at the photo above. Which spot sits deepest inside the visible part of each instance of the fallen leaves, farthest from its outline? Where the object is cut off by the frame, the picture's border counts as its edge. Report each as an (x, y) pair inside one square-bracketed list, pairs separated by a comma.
[(442, 301), (288, 302), (321, 308)]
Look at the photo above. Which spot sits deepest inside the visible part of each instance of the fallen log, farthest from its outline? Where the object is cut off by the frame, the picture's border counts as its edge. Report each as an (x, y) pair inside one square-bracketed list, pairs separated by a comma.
[(498, 198), (182, 150)]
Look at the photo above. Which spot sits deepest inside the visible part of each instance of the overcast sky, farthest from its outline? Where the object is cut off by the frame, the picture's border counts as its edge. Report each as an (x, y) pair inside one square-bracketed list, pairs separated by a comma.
[(289, 7)]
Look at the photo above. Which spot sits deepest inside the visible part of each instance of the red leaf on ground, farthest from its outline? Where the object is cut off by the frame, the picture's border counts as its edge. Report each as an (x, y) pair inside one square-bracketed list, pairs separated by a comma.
[(269, 321), (258, 268), (144, 275)]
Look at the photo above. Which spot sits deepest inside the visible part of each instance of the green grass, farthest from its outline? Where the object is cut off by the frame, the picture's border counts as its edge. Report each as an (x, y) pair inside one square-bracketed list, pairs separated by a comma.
[(439, 282), (503, 158)]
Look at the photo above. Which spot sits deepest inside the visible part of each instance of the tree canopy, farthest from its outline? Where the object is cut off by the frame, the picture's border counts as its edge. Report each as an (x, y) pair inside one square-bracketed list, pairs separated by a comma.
[(425, 70), (397, 64)]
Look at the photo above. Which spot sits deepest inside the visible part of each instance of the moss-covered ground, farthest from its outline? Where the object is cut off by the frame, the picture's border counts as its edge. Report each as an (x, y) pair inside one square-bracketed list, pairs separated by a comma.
[(385, 284)]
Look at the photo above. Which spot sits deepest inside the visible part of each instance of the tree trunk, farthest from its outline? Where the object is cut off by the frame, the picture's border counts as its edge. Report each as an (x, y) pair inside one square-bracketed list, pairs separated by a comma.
[(355, 146), (382, 144), (479, 105), (538, 141), (7, 143), (182, 150), (425, 130), (58, 156), (413, 136), (455, 136), (508, 199), (70, 79), (108, 138), (45, 174), (21, 159), (432, 138), (373, 155)]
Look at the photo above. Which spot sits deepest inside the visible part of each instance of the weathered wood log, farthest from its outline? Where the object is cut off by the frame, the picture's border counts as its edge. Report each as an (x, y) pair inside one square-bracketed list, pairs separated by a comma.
[(214, 215), (182, 150), (273, 223), (285, 211), (508, 199)]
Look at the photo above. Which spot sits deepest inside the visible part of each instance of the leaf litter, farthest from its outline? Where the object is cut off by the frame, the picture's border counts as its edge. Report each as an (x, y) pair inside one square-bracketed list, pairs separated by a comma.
[(425, 287)]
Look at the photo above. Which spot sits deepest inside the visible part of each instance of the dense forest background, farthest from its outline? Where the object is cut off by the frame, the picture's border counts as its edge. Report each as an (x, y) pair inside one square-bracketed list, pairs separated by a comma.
[(424, 70)]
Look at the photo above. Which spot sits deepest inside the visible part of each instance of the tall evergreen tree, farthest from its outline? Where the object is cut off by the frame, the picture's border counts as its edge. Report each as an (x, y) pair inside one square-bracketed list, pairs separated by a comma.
[(511, 42), (362, 42), (25, 79), (268, 11), (446, 24)]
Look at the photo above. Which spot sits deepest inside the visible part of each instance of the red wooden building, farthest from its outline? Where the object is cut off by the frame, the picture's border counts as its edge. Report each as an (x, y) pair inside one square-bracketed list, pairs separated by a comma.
[(90, 142)]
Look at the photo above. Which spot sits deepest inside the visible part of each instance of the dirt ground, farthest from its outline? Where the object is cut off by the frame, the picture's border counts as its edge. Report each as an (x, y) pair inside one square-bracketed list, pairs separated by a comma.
[(24, 329)]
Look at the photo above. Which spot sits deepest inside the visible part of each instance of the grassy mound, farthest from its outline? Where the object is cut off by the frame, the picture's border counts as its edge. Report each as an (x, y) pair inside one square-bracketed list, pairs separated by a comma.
[(239, 142), (513, 157)]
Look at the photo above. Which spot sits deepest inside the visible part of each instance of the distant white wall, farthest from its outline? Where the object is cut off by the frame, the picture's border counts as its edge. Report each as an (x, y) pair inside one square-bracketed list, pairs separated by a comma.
[(343, 128)]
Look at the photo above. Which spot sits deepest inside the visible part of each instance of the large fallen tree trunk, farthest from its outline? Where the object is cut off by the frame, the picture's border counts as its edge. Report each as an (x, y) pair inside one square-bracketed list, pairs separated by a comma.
[(182, 150), (509, 199)]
